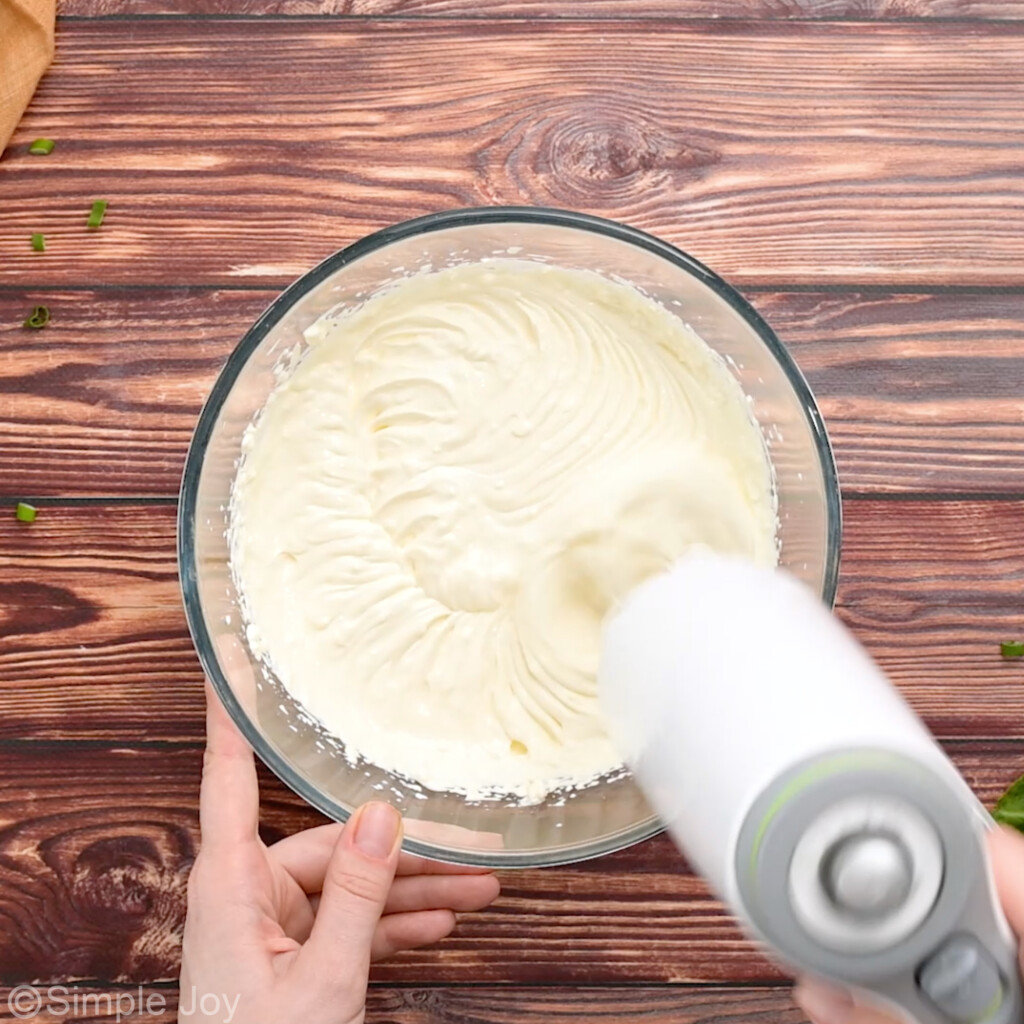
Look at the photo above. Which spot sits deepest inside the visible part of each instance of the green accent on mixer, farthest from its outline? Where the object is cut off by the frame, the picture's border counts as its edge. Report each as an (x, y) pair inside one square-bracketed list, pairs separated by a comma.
[(817, 771), (992, 1009)]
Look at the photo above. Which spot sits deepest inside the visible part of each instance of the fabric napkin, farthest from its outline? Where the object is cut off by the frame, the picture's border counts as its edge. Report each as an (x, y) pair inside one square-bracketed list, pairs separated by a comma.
[(26, 49)]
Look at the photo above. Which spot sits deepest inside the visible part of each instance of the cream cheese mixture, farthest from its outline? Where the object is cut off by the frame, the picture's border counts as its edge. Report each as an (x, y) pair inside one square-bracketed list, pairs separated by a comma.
[(438, 505)]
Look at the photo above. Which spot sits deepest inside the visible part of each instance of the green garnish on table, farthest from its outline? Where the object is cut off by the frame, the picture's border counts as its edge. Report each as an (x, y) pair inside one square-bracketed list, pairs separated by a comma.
[(39, 317), (1012, 648), (25, 513), (41, 147), (39, 242), (1010, 809), (99, 209)]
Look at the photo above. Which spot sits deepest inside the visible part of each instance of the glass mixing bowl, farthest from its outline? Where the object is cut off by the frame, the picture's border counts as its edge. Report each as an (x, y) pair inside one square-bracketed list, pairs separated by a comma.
[(567, 826)]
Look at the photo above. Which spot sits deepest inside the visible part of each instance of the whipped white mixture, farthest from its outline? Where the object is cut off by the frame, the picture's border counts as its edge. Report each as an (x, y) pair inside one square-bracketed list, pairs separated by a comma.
[(438, 506)]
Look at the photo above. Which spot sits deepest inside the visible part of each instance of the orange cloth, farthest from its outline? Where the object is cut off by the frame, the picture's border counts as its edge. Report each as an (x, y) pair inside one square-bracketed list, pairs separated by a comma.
[(26, 49)]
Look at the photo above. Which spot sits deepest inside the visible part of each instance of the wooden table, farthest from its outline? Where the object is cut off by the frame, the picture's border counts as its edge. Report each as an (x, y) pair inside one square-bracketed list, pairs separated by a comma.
[(856, 166)]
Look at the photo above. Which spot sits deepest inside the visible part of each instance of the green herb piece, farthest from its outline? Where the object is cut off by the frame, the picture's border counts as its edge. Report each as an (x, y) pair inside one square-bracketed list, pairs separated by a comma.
[(39, 317), (1010, 809), (42, 147), (99, 208), (39, 242), (25, 513), (1012, 648)]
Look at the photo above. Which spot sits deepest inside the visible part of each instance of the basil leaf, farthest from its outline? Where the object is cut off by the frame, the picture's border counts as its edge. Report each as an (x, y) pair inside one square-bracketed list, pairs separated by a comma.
[(1010, 809)]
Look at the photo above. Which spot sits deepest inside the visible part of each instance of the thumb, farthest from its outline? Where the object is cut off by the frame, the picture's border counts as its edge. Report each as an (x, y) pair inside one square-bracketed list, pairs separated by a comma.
[(1006, 848), (825, 1004), (356, 887)]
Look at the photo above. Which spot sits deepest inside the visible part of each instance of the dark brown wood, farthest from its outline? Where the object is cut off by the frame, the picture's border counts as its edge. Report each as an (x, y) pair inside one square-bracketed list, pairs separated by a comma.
[(480, 1003), (577, 9), (96, 841), (105, 399), (95, 645), (920, 392), (94, 642), (244, 151)]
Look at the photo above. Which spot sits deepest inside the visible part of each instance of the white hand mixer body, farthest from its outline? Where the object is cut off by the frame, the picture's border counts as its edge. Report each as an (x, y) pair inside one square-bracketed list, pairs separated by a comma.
[(799, 783)]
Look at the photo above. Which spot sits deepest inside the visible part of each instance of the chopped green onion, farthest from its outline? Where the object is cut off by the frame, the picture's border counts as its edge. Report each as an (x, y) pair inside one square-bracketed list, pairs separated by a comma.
[(39, 317), (99, 208), (42, 147), (25, 513), (39, 243), (1012, 648)]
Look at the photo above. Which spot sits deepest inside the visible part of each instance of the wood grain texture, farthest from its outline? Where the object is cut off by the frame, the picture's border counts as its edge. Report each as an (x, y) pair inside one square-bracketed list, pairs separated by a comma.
[(775, 10), (105, 399), (919, 392), (95, 645), (244, 151), (96, 842), (481, 1004)]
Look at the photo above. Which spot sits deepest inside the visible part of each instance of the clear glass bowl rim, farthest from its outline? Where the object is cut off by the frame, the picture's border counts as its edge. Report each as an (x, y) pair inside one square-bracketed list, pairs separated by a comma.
[(273, 314)]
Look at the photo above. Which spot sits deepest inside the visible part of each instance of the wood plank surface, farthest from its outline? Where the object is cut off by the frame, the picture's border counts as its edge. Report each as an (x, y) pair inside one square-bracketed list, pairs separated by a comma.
[(96, 842), (856, 163), (545, 9), (105, 399), (95, 645), (920, 392), (244, 151), (480, 1004)]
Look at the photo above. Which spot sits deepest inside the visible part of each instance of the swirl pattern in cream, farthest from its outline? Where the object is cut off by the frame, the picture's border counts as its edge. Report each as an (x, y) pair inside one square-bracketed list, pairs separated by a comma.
[(440, 503)]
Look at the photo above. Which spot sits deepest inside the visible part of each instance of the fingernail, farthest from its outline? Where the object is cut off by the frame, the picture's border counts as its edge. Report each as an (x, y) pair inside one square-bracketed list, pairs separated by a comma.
[(824, 1005), (377, 826)]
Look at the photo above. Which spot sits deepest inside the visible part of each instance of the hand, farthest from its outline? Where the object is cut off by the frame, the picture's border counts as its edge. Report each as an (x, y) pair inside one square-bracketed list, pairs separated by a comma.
[(826, 1005), (287, 932)]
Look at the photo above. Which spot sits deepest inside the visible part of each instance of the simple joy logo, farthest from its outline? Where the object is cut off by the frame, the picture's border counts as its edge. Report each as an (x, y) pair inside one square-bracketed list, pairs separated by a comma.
[(32, 1002), (24, 1001)]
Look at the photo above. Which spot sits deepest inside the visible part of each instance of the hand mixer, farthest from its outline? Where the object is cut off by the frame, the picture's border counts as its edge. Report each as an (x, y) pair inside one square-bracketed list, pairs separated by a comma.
[(798, 782)]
